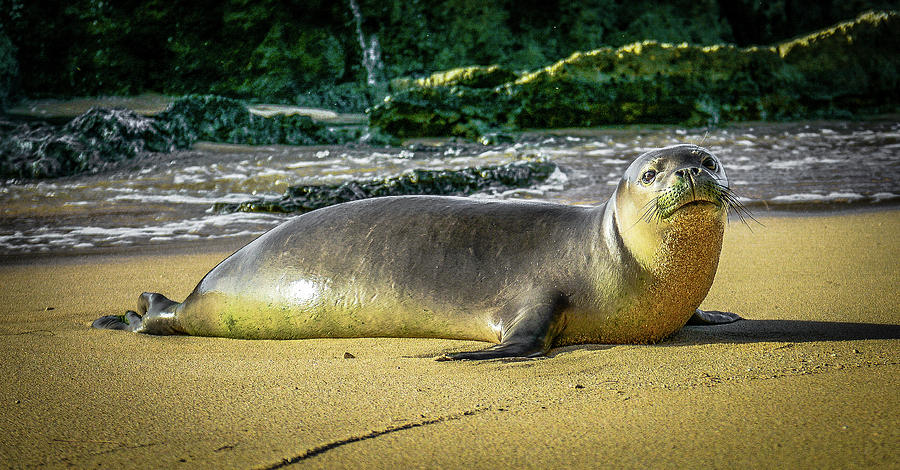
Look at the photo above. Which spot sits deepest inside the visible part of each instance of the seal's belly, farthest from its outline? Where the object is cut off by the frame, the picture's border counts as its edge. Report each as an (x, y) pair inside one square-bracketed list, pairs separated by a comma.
[(301, 309)]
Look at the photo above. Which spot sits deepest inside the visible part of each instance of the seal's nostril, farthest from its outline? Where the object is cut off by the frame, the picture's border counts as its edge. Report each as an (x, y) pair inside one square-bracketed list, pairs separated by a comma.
[(695, 171)]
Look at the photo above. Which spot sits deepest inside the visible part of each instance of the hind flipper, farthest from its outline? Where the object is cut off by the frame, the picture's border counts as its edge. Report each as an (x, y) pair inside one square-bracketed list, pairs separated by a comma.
[(157, 317), (131, 321)]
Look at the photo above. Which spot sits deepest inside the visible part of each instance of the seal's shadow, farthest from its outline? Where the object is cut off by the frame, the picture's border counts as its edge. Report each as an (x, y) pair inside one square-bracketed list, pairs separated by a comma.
[(752, 331), (799, 331)]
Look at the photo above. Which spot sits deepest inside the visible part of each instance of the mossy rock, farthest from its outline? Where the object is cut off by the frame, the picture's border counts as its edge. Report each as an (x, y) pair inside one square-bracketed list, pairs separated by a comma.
[(851, 67), (476, 76), (470, 77), (434, 182), (96, 140), (649, 82), (855, 64), (219, 119), (430, 111), (99, 138)]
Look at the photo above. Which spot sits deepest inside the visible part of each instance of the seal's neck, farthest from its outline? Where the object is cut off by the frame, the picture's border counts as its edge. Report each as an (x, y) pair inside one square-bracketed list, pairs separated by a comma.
[(691, 236), (685, 266), (689, 245)]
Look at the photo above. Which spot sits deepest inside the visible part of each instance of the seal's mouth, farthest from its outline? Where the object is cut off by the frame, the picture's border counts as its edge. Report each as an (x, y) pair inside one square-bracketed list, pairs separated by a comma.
[(696, 206), (689, 191), (699, 202), (690, 194)]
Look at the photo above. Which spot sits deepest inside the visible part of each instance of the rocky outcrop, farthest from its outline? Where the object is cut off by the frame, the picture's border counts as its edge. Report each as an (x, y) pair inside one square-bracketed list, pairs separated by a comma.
[(92, 142), (849, 68), (437, 182)]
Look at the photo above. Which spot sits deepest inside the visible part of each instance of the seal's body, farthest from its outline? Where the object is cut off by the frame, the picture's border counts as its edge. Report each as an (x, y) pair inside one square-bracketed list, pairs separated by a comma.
[(526, 275)]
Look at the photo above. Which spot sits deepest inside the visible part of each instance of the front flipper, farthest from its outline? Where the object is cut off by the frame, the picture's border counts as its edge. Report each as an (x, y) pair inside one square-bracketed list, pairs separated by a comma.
[(712, 317), (531, 333)]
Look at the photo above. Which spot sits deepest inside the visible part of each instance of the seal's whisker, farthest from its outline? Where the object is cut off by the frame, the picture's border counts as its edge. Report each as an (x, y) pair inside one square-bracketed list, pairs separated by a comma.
[(734, 205), (645, 216), (650, 215), (644, 211), (652, 212)]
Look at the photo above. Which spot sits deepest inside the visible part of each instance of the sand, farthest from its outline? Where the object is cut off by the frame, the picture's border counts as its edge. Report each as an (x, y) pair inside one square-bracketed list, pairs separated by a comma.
[(810, 380)]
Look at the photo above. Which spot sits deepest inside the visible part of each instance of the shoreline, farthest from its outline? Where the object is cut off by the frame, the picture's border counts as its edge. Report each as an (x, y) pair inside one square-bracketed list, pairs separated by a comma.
[(807, 380), (230, 245)]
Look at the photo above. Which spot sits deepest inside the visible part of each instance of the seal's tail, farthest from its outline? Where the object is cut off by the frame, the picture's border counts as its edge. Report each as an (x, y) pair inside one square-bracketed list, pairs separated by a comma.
[(156, 317)]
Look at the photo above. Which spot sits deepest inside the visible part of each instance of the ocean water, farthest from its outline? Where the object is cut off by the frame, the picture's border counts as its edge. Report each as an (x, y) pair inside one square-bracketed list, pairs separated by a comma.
[(167, 198)]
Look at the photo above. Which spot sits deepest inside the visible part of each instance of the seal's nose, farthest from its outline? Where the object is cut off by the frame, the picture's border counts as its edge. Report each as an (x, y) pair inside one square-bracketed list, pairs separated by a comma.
[(694, 171)]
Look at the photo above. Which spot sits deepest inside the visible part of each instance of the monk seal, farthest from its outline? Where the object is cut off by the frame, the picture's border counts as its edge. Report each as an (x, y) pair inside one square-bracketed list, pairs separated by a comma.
[(524, 275)]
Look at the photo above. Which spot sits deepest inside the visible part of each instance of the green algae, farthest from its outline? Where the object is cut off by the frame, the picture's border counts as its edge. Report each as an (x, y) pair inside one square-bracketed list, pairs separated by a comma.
[(851, 67), (220, 119), (434, 182), (471, 77)]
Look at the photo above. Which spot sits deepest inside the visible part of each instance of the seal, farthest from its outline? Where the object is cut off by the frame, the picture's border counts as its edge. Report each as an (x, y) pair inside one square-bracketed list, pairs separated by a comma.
[(524, 275)]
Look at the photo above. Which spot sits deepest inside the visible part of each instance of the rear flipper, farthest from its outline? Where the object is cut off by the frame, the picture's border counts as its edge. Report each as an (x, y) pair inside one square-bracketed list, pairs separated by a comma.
[(156, 317), (531, 332), (127, 322), (712, 317)]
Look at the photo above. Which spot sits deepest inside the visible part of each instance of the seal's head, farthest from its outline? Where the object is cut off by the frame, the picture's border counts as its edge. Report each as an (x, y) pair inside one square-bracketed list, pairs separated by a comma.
[(682, 188)]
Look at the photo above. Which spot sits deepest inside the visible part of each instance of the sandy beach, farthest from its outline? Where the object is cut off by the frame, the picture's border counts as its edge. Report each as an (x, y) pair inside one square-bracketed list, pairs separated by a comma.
[(809, 380)]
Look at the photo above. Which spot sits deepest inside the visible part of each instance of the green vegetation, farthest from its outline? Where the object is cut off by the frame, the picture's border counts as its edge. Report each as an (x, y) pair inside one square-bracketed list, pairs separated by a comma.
[(440, 182), (852, 67), (218, 119), (308, 53), (9, 69), (101, 138)]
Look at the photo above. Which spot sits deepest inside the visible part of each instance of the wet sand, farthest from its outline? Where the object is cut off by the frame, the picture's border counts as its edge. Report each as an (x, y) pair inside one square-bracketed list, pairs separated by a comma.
[(810, 380)]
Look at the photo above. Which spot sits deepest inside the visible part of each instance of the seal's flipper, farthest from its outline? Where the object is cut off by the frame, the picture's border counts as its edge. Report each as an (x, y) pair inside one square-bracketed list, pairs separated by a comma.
[(712, 317), (530, 334), (128, 322), (151, 302), (157, 317)]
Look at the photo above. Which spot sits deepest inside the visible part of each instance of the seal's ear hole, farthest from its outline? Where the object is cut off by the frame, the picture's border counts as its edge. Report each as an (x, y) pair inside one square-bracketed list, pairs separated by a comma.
[(710, 164), (648, 176)]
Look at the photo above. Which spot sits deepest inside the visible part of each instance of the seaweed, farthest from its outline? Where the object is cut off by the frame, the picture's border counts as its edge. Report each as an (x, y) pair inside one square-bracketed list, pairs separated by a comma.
[(852, 67), (101, 138), (220, 119), (96, 140), (305, 198)]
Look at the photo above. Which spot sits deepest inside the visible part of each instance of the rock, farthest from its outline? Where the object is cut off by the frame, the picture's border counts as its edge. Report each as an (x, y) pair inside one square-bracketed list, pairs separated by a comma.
[(851, 67), (90, 143), (440, 182), (219, 119)]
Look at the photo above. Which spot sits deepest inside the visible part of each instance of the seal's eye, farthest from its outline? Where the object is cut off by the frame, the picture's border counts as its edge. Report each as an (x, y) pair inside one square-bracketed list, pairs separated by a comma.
[(648, 176), (710, 164)]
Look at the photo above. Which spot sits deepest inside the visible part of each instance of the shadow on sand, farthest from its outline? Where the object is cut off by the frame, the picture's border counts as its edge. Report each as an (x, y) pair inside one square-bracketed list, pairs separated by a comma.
[(745, 331), (798, 331)]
